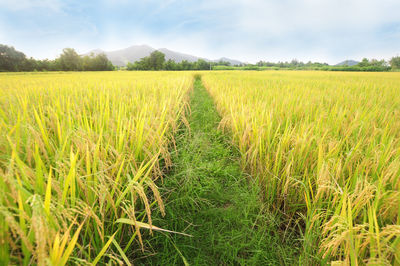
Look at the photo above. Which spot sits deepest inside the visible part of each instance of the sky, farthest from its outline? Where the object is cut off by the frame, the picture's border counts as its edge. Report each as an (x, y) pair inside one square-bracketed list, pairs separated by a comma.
[(248, 30)]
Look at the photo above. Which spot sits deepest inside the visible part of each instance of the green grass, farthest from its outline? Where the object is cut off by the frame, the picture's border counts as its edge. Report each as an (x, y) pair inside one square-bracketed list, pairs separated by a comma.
[(208, 196)]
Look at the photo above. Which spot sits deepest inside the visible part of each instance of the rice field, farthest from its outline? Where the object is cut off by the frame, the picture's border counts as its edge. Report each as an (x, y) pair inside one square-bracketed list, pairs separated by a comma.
[(325, 147), (80, 154), (83, 155)]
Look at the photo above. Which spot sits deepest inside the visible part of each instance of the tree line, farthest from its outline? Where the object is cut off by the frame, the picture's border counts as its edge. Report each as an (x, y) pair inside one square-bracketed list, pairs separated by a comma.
[(156, 61), (69, 60), (364, 65)]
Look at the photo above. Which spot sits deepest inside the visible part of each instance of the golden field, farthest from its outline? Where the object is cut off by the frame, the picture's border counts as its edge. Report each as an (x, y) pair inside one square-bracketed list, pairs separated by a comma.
[(325, 147), (79, 156)]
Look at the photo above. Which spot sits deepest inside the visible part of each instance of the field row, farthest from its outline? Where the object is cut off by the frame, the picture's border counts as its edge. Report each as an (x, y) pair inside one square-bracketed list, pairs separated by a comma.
[(79, 156), (325, 147)]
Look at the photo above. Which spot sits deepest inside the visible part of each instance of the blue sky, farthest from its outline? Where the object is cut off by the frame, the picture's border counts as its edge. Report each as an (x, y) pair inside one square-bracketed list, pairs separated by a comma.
[(248, 30)]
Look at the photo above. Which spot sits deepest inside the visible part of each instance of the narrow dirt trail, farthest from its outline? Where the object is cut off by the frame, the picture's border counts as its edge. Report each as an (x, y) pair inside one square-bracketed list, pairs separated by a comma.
[(208, 196)]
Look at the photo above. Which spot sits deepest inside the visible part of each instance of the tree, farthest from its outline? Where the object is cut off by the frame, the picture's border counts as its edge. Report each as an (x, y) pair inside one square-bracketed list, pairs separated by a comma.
[(364, 63), (223, 63), (46, 65), (186, 65), (202, 65), (395, 62), (11, 59), (130, 66), (70, 60), (156, 60), (377, 63), (99, 62), (30, 65), (170, 65), (294, 63)]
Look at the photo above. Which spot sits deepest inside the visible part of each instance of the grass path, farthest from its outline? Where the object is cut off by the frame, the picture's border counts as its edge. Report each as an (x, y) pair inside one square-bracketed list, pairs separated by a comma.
[(208, 197)]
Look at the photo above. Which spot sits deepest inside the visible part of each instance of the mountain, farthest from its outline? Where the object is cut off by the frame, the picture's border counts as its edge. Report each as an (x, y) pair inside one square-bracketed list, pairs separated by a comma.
[(232, 61), (137, 52), (123, 56), (178, 57), (348, 63)]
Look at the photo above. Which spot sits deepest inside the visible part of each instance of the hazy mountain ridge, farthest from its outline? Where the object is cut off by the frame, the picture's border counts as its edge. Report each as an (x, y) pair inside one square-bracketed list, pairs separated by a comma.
[(178, 57), (348, 63), (136, 52), (123, 56), (232, 61)]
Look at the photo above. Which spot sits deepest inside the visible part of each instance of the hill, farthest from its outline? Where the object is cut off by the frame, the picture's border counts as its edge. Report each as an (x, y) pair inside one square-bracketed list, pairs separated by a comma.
[(178, 57), (348, 63), (232, 61), (123, 56), (136, 52)]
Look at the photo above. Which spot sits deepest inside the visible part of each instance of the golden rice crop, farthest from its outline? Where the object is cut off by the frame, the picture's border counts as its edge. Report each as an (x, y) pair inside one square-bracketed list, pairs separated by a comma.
[(326, 147), (79, 153)]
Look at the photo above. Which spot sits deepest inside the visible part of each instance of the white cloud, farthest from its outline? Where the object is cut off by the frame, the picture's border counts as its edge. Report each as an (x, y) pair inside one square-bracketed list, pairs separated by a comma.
[(250, 30), (309, 29), (17, 5)]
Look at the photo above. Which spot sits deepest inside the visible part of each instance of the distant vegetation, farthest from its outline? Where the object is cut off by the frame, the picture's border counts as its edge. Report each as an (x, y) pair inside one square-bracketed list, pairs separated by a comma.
[(395, 62), (364, 65), (156, 61), (12, 60)]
